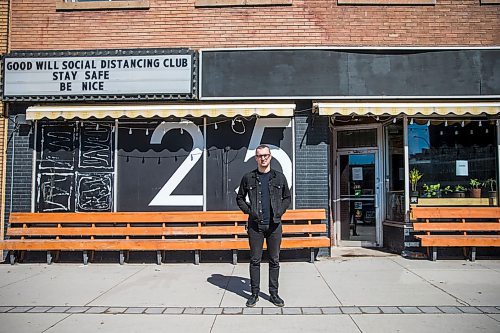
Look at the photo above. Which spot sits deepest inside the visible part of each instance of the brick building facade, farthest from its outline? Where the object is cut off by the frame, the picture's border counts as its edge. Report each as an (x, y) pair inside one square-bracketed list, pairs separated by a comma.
[(41, 26), (304, 53)]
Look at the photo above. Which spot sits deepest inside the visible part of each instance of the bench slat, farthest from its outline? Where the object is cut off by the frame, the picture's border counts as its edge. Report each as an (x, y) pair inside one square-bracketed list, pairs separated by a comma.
[(154, 231), (456, 226), (155, 244), (455, 213), (459, 240), (125, 231), (146, 217)]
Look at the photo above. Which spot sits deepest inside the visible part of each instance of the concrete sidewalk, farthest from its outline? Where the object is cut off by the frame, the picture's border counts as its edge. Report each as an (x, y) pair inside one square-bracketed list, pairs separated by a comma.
[(372, 293)]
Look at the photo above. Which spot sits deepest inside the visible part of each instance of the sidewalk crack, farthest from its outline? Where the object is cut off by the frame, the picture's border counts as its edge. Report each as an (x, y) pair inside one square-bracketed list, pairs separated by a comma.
[(59, 321), (495, 319), (355, 323), (489, 268), (459, 300), (26, 278), (213, 324), (328, 285), (225, 288), (113, 287)]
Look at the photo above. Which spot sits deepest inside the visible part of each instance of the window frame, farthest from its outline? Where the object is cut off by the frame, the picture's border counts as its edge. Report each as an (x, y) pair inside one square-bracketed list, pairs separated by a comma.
[(388, 2), (446, 192), (240, 3), (64, 5)]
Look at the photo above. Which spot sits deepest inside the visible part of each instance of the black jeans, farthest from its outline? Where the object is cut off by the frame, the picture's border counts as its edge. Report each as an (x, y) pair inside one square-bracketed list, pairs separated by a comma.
[(256, 234)]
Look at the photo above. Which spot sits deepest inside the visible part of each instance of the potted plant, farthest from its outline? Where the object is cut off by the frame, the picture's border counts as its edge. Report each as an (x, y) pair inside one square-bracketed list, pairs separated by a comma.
[(475, 188), (491, 185), (447, 191), (432, 190), (415, 176), (458, 192)]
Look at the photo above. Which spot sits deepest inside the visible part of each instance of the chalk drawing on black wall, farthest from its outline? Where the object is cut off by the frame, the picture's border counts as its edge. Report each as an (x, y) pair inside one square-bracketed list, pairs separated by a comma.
[(96, 146), (54, 192), (75, 166), (57, 147), (93, 192)]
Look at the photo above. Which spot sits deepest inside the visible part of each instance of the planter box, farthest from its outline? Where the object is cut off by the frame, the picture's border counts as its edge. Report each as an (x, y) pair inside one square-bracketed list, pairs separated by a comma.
[(456, 202)]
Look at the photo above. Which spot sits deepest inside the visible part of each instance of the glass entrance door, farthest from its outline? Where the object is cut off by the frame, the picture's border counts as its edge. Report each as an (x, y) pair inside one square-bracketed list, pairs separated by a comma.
[(358, 197)]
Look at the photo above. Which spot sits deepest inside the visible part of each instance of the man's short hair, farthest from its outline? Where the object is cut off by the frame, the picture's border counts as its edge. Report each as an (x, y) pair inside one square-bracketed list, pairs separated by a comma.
[(262, 147)]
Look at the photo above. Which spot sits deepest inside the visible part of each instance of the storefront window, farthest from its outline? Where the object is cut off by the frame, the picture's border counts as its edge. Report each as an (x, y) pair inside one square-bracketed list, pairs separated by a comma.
[(394, 174), (453, 162), (357, 138)]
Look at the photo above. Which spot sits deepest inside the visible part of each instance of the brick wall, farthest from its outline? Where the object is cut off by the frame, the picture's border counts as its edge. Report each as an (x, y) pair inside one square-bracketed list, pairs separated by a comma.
[(176, 23), (4, 18)]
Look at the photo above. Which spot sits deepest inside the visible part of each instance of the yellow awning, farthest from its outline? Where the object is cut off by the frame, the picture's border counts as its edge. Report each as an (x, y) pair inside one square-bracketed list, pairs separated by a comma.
[(410, 109), (157, 110)]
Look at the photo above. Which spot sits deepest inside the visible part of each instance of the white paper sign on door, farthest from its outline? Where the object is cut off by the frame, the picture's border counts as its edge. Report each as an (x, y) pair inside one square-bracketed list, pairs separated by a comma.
[(401, 173), (462, 168), (357, 173)]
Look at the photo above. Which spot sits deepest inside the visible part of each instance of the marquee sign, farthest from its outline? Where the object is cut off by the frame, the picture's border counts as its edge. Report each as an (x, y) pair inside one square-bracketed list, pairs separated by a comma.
[(112, 74)]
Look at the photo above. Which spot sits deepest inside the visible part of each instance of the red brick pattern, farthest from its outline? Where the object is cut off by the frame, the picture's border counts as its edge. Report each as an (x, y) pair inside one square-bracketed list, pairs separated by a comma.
[(178, 23), (4, 18)]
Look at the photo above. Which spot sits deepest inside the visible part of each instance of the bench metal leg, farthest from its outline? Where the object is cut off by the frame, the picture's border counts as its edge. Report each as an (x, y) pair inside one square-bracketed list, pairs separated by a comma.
[(12, 256), (473, 254), (49, 258), (122, 258), (22, 255), (235, 257), (158, 257), (196, 257), (311, 260), (85, 258), (434, 253)]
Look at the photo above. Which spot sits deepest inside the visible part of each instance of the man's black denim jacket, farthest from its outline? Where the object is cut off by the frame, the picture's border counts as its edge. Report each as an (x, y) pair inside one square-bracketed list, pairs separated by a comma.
[(278, 191)]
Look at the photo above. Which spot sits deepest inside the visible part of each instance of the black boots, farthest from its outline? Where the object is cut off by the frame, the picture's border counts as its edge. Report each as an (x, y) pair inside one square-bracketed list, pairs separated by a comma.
[(252, 300), (276, 300)]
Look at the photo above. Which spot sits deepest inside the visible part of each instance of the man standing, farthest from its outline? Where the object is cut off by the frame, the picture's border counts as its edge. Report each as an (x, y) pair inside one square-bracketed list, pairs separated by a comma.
[(269, 197)]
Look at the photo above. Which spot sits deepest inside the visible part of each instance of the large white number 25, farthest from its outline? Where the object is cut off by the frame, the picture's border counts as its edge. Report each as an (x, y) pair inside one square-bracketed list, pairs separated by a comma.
[(165, 197)]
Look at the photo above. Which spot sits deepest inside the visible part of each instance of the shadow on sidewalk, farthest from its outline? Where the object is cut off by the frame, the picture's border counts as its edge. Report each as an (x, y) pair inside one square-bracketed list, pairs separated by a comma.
[(235, 284)]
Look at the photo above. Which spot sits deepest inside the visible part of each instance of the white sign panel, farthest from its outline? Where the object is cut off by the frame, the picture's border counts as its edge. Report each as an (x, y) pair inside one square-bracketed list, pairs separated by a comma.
[(462, 168), (357, 173), (95, 75)]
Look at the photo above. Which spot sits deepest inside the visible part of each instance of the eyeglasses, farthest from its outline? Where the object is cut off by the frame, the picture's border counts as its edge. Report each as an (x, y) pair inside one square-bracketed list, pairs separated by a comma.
[(264, 156)]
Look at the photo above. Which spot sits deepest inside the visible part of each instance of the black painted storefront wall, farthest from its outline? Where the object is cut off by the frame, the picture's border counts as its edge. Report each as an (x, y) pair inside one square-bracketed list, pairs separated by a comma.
[(312, 162), (75, 163), (18, 174), (75, 168), (323, 73)]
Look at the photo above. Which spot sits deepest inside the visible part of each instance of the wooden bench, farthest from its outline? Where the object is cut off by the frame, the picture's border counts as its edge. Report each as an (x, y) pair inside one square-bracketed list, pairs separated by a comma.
[(153, 231), (457, 226)]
